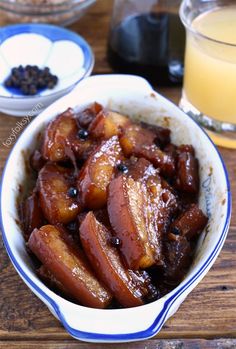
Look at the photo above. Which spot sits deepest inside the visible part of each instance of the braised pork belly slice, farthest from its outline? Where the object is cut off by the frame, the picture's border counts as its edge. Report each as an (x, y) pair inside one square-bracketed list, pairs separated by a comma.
[(140, 142), (139, 209), (69, 266), (97, 172), (128, 287), (54, 184)]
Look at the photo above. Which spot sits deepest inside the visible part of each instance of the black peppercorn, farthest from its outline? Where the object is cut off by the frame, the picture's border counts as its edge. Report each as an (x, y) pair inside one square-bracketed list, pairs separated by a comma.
[(54, 78), (8, 83), (40, 82), (32, 89), (175, 230), (122, 168), (30, 79), (24, 89), (46, 71), (72, 226), (115, 242), (14, 71), (83, 134), (72, 192)]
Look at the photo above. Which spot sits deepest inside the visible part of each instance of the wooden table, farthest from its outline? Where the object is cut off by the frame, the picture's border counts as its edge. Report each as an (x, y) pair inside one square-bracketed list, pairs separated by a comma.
[(207, 319)]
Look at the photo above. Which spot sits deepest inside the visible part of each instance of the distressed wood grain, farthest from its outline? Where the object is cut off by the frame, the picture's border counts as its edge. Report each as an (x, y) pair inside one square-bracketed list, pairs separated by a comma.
[(151, 344)]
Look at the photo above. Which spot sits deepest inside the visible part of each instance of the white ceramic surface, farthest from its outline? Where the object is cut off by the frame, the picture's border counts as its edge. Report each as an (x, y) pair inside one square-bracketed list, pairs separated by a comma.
[(133, 96), (67, 55)]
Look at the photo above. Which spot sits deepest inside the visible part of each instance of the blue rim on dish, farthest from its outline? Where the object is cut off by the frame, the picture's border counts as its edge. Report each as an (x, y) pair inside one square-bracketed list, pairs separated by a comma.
[(160, 319), (53, 33)]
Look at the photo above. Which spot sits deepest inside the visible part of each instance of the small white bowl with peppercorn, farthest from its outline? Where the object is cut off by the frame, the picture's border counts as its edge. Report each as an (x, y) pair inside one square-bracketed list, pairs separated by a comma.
[(39, 64)]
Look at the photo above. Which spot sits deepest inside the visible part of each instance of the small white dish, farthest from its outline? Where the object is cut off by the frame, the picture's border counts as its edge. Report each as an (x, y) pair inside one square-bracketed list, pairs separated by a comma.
[(67, 55), (133, 96)]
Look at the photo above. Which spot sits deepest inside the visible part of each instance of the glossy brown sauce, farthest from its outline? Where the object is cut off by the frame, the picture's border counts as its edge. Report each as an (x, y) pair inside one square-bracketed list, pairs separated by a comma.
[(113, 217)]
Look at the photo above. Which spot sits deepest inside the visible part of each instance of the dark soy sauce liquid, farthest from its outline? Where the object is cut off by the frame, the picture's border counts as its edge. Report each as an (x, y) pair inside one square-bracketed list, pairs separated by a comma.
[(150, 45)]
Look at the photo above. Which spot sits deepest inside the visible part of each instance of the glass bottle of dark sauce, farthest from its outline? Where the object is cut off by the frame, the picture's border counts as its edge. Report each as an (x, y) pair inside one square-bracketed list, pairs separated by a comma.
[(150, 44)]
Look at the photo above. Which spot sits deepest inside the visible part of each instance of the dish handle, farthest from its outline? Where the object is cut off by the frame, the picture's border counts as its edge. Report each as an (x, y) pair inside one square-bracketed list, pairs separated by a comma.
[(110, 325), (123, 81)]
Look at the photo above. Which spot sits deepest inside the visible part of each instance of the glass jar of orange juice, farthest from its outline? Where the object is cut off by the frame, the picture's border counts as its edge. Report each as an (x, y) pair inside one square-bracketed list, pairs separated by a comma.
[(209, 92)]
